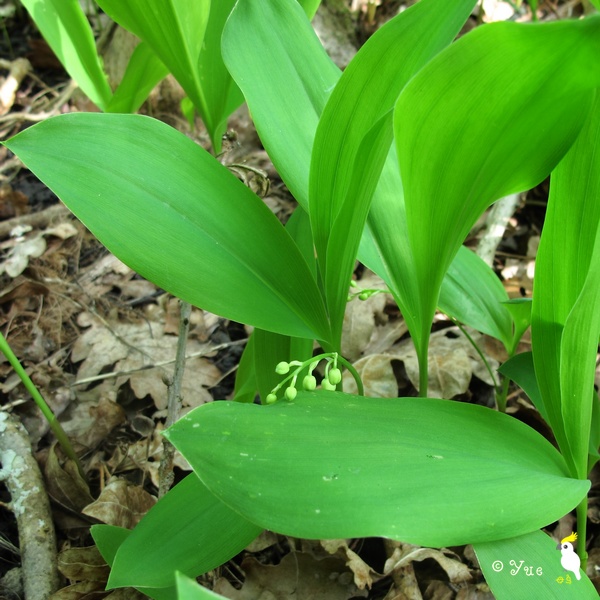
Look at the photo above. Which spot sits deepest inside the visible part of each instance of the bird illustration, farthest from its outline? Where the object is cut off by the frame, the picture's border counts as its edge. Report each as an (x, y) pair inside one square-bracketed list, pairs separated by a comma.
[(569, 560)]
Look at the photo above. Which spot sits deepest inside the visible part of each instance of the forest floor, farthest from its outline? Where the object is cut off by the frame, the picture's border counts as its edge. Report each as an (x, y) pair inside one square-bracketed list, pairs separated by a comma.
[(99, 342)]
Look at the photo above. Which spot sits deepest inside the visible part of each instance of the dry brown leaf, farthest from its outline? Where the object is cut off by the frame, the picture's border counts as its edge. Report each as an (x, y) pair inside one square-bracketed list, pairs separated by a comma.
[(377, 376), (82, 590), (131, 348), (457, 571), (120, 503), (452, 363), (362, 571), (481, 591), (361, 318), (64, 483), (144, 454), (297, 577), (90, 423), (83, 564)]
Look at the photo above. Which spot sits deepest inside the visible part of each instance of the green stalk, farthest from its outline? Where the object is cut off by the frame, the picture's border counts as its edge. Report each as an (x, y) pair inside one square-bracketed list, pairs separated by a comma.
[(582, 531), (56, 427)]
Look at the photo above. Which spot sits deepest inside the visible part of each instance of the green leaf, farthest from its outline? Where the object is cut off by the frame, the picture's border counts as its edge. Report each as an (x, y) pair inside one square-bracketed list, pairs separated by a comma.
[(221, 95), (68, 33), (528, 566), (355, 132), (181, 219), (472, 293), (188, 589), (278, 62), (108, 539), (310, 7), (188, 530), (491, 115), (565, 320), (143, 72), (185, 35), (519, 368), (332, 465), (246, 385), (520, 310)]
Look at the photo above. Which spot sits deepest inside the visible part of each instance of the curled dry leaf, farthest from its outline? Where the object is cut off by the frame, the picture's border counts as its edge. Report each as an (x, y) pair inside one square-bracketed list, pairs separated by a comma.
[(120, 503), (457, 571), (362, 571), (64, 483), (83, 564)]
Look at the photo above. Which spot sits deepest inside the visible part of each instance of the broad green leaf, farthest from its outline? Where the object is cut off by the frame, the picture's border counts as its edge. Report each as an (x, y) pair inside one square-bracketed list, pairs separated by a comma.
[(246, 385), (520, 311), (175, 30), (490, 115), (528, 566), (109, 539), (143, 72), (519, 368), (565, 324), (472, 293), (355, 132), (188, 530), (332, 465), (221, 94), (68, 33), (301, 87), (188, 589), (271, 348), (175, 215), (310, 7), (286, 76)]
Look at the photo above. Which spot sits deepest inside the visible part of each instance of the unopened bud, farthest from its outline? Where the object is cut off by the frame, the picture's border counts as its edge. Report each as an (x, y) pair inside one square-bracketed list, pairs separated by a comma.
[(335, 376), (282, 368), (309, 382)]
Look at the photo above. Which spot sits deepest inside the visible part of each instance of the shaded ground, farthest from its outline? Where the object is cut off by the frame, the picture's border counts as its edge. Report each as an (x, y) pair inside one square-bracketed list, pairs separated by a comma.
[(99, 342)]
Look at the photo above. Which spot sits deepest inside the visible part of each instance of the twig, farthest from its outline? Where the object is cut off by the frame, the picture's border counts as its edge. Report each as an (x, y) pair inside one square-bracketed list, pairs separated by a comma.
[(30, 505), (496, 223), (36, 220), (165, 470), (18, 69)]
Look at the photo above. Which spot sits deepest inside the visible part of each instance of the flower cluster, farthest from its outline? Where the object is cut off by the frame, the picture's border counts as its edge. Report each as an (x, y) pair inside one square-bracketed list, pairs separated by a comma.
[(330, 381)]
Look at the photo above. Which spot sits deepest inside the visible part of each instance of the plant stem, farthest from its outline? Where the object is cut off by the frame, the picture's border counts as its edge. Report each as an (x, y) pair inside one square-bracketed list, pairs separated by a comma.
[(55, 425), (582, 531), (165, 470), (502, 395)]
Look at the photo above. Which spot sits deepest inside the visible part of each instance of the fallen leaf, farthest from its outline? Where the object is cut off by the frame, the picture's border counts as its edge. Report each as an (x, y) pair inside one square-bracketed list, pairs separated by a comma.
[(297, 577), (120, 503), (64, 483), (144, 356), (83, 564), (457, 571)]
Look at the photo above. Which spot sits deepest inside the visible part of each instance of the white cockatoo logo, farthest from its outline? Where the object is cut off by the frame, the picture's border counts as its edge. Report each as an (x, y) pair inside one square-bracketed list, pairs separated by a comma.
[(569, 559)]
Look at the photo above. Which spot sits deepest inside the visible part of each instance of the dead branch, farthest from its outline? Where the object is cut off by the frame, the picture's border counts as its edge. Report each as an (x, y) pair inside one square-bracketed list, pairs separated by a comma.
[(31, 507)]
